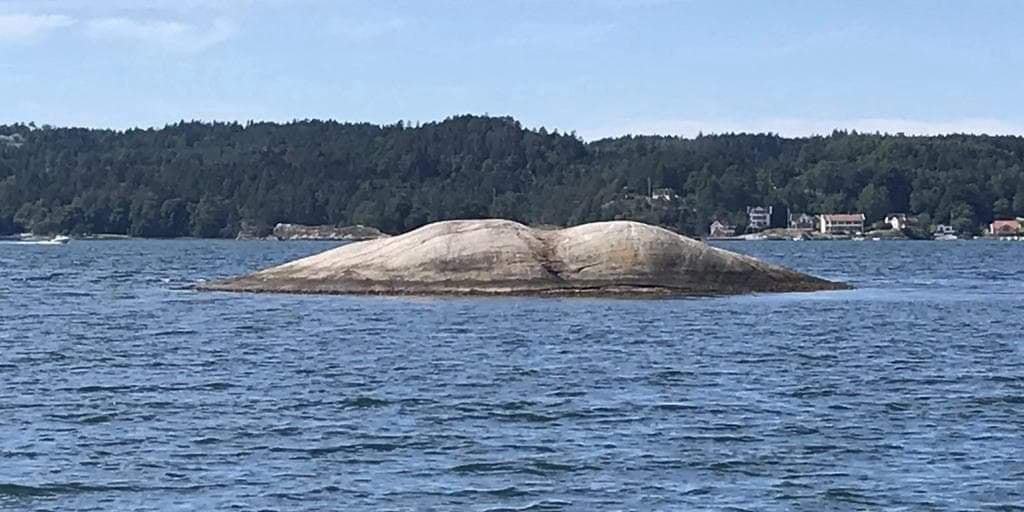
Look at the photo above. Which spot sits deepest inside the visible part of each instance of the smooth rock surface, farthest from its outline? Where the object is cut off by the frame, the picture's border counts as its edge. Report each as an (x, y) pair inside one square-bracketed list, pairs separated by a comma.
[(495, 257)]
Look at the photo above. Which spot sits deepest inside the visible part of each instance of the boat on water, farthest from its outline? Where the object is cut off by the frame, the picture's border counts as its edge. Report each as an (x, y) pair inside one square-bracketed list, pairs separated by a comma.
[(57, 240), (33, 240)]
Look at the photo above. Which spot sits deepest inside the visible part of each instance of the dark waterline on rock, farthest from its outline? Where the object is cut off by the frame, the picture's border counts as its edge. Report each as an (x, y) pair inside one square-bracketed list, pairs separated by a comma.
[(123, 390)]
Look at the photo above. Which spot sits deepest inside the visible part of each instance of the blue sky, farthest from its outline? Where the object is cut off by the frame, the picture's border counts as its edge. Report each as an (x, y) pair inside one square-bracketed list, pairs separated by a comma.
[(597, 67)]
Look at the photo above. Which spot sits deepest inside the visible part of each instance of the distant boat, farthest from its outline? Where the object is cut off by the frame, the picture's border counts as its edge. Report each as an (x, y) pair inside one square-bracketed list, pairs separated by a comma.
[(946, 237), (57, 240)]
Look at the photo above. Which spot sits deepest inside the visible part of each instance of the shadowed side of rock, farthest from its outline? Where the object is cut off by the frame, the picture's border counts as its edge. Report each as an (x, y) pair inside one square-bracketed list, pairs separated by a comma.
[(644, 255), (499, 257)]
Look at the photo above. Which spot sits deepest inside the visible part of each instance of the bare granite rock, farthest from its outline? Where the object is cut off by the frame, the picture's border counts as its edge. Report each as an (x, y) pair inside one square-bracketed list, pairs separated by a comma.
[(501, 257)]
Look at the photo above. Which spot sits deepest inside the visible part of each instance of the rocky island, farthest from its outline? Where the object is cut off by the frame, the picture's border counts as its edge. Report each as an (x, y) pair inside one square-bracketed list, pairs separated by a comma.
[(501, 257)]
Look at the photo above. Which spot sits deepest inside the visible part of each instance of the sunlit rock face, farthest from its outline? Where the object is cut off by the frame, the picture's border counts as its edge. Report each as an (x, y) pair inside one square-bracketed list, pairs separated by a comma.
[(499, 257)]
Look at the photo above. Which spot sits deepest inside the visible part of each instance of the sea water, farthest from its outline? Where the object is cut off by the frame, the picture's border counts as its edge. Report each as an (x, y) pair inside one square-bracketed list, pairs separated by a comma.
[(122, 389)]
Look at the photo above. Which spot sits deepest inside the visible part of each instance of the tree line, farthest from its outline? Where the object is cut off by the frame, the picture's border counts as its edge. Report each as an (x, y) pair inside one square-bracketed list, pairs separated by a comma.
[(212, 179)]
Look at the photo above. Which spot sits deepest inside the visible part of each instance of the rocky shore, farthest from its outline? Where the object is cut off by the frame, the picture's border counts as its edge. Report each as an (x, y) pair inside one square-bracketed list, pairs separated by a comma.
[(283, 231), (303, 232)]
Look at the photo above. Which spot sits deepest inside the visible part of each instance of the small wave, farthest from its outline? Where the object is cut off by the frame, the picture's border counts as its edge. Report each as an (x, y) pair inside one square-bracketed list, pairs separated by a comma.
[(516, 405), (212, 386), (696, 491), (537, 467), (72, 294), (343, 448), (485, 467), (290, 430), (174, 332), (102, 389), (733, 466), (363, 402), (503, 492), (24, 490), (122, 388), (542, 505), (21, 490), (721, 438), (676, 406), (849, 496), (1006, 399), (47, 277), (524, 417), (98, 418)]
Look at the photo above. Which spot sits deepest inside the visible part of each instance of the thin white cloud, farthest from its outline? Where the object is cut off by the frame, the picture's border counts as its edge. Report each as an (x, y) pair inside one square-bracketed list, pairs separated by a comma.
[(363, 30), (611, 4), (168, 35), (25, 26), (114, 7), (557, 35), (802, 127)]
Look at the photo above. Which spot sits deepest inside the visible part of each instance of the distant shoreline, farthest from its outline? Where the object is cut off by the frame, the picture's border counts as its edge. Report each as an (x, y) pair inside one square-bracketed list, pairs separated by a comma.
[(215, 180), (123, 238)]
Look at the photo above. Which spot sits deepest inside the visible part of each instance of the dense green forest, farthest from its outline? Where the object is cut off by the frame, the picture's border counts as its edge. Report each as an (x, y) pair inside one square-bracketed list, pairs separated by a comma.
[(207, 180)]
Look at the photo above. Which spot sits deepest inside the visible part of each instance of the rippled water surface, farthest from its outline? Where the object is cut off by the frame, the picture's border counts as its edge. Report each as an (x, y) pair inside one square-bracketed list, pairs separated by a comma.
[(120, 389)]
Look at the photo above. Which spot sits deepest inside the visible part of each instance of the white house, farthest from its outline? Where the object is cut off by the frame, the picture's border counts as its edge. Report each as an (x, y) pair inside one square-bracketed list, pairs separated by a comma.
[(801, 221), (841, 223), (720, 229), (898, 221), (664, 194), (759, 217)]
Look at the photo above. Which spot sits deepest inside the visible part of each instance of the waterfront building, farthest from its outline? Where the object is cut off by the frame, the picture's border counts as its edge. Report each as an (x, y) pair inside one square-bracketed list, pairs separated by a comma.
[(841, 223), (802, 221), (1004, 227), (759, 217), (721, 229)]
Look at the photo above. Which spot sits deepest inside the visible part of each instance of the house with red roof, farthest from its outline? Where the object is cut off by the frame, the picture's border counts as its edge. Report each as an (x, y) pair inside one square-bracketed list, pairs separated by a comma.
[(841, 223), (1004, 227)]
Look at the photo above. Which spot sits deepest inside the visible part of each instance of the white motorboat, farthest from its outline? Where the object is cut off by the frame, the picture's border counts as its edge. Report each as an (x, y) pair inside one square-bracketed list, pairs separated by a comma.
[(31, 240), (57, 240)]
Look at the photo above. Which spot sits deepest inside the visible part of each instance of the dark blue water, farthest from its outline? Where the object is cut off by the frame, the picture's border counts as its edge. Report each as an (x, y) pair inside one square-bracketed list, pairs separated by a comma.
[(120, 390)]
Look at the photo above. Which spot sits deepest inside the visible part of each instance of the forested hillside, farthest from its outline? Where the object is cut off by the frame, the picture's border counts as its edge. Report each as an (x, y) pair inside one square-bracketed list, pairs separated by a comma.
[(201, 179)]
